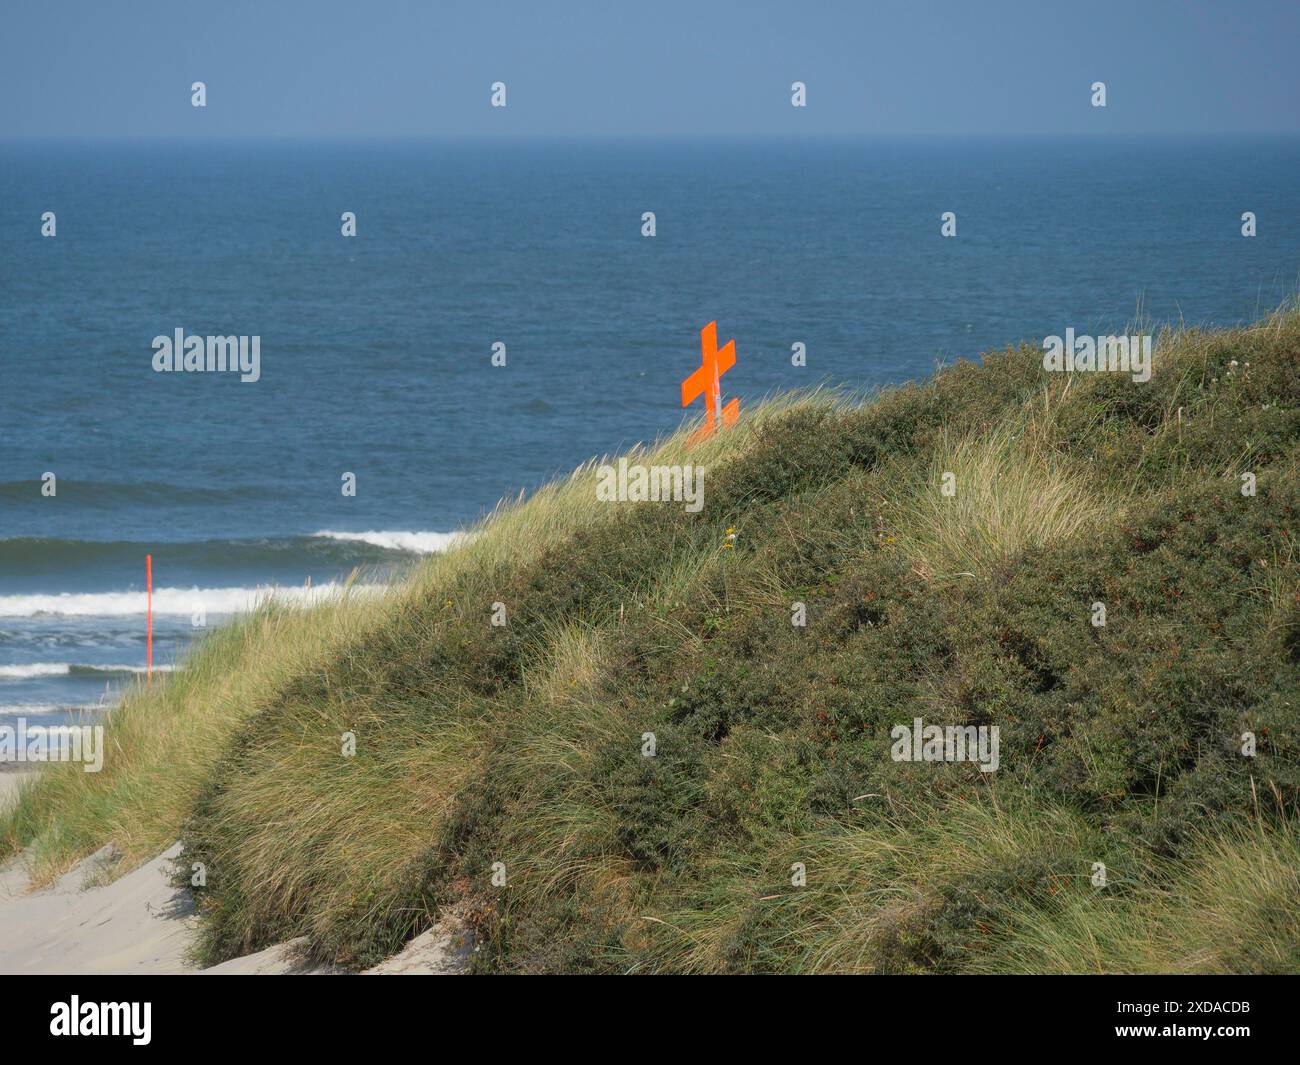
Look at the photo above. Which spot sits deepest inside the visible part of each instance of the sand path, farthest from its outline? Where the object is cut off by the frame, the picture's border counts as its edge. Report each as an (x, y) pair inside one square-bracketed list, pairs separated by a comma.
[(140, 923)]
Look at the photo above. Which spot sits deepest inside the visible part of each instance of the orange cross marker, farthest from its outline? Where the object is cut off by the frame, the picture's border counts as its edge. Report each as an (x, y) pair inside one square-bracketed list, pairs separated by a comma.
[(706, 382)]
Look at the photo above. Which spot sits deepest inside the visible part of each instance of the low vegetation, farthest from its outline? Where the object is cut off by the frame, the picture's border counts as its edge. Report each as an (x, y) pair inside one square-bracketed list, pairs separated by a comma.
[(520, 749)]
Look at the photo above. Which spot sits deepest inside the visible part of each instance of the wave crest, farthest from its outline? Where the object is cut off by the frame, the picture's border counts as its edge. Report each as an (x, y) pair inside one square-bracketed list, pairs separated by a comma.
[(70, 669), (177, 602), (420, 543)]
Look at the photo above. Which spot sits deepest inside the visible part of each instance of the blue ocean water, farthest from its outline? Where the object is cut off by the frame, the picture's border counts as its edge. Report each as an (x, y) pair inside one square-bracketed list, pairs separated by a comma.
[(376, 350)]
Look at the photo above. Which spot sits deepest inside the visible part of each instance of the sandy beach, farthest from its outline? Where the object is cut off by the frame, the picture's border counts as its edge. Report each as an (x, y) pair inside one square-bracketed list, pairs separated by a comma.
[(140, 924)]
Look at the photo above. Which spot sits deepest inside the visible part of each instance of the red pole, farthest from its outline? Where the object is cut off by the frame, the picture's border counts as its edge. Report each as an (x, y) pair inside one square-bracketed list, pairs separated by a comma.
[(148, 583)]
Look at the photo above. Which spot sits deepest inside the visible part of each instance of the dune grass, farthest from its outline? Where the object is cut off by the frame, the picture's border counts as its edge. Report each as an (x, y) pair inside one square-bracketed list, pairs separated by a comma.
[(505, 769), (1228, 906), (166, 737), (1010, 492)]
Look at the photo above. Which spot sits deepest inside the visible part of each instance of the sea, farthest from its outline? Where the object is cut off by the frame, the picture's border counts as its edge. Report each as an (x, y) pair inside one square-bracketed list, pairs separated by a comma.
[(376, 350)]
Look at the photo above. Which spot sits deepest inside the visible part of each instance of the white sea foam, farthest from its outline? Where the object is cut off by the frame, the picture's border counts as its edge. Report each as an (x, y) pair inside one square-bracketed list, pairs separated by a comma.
[(419, 543), (35, 669), (180, 602), (63, 669), (35, 709)]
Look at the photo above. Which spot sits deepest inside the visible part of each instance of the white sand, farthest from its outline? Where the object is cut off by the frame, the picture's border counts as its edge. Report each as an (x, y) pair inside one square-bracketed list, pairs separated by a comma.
[(141, 924), (138, 924)]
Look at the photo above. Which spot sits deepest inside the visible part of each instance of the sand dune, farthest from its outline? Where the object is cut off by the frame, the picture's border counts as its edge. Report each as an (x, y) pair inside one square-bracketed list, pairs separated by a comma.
[(139, 923)]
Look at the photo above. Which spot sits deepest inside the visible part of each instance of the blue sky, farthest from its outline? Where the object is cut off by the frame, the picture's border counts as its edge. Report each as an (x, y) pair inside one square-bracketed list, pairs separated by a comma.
[(73, 68)]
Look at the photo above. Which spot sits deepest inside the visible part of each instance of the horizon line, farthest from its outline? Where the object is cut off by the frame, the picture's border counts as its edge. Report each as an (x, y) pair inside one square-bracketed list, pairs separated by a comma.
[(190, 138)]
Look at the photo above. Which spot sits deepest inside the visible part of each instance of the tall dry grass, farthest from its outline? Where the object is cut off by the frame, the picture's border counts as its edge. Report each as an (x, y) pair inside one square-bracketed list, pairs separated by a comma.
[(1011, 490)]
